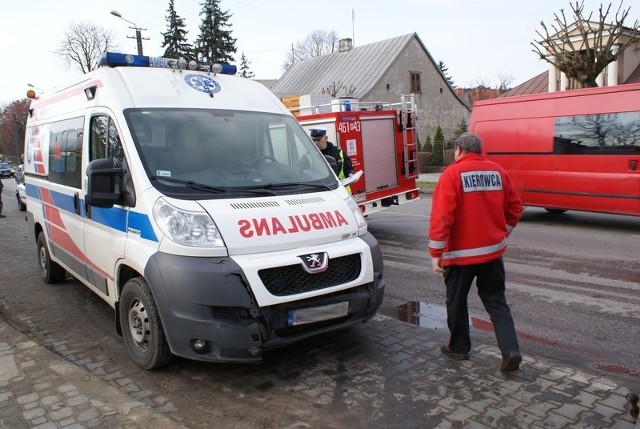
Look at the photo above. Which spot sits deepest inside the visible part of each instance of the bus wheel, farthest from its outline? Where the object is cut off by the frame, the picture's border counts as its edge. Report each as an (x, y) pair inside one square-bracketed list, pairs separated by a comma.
[(49, 270), (554, 211), (141, 326)]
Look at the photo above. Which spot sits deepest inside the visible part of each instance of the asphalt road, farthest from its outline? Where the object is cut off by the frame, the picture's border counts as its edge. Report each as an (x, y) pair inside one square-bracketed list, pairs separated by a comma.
[(573, 287), (573, 282)]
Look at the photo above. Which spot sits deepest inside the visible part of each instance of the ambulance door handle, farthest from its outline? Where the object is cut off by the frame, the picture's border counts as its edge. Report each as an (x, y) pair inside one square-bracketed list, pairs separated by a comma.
[(76, 203), (633, 165)]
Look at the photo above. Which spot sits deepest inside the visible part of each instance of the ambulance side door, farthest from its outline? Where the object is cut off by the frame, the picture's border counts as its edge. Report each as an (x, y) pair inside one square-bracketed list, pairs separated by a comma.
[(104, 228), (62, 209)]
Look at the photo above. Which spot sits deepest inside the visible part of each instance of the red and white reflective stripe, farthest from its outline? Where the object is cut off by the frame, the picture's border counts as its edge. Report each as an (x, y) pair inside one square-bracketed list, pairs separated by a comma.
[(437, 244), (478, 251)]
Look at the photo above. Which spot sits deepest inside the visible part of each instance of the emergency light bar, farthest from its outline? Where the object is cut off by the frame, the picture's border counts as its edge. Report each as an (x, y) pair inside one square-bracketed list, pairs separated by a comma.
[(115, 59)]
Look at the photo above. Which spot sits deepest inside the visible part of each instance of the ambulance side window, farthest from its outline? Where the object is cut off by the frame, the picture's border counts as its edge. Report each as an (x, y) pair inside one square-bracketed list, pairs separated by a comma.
[(286, 146), (278, 137), (65, 152), (105, 140)]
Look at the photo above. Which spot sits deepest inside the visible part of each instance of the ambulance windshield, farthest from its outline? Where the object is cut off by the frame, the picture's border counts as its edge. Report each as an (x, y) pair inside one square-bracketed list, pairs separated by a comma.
[(218, 153)]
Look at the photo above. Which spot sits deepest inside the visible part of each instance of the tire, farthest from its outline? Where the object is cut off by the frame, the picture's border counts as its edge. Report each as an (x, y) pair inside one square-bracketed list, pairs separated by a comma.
[(50, 271), (141, 326), (21, 206), (554, 211)]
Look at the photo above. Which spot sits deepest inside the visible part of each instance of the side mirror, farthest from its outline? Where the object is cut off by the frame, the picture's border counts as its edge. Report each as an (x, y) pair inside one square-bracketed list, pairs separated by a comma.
[(104, 184), (333, 164)]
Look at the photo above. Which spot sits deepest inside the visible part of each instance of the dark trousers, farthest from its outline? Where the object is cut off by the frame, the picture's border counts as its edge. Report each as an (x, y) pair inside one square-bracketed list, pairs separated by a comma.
[(490, 282)]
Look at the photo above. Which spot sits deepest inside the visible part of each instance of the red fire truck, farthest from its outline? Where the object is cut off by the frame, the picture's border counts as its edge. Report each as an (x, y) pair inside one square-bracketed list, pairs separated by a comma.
[(380, 140)]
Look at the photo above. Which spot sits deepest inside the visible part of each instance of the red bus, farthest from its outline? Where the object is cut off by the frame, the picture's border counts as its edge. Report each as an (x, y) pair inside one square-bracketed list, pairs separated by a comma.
[(568, 150)]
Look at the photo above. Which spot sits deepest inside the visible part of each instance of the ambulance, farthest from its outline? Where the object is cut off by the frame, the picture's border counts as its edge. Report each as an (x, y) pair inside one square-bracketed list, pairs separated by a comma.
[(175, 192)]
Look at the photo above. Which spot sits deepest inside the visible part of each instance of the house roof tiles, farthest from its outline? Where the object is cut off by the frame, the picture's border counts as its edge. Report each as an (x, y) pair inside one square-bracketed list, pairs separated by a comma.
[(360, 68), (536, 85)]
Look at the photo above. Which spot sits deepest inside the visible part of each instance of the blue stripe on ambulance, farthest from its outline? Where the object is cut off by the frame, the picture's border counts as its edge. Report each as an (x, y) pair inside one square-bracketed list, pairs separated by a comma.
[(115, 218), (140, 222)]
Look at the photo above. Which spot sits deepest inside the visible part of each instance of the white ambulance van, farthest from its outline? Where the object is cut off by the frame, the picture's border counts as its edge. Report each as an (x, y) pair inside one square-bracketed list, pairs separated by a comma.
[(177, 195)]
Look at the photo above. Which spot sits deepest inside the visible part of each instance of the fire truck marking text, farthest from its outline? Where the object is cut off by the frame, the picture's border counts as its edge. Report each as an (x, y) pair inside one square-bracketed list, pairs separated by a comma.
[(345, 127), (292, 224)]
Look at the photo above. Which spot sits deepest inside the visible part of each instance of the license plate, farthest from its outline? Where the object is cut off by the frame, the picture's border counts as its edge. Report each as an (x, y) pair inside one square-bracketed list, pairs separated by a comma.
[(318, 314)]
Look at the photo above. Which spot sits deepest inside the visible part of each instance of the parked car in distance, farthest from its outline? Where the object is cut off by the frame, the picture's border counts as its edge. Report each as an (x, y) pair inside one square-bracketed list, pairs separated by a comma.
[(6, 170), (21, 195)]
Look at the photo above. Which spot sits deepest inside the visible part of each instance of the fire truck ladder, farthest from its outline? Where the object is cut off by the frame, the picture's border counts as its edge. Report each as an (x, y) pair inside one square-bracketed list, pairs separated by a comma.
[(409, 143)]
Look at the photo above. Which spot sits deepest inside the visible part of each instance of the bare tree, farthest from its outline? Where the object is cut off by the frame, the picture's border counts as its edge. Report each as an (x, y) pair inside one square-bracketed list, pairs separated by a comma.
[(316, 44), (482, 82), (584, 56), (504, 82), (82, 45), (339, 89)]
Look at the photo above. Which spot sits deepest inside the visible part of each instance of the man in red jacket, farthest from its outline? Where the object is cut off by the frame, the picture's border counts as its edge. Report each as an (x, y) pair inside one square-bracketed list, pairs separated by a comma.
[(474, 208)]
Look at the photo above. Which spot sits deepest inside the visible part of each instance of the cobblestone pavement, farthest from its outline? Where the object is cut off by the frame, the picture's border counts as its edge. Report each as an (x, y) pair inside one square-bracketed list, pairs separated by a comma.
[(40, 389), (382, 374), (412, 386)]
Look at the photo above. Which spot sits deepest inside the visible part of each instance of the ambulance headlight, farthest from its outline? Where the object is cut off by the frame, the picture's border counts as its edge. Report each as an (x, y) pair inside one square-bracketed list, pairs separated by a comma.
[(360, 220), (189, 228)]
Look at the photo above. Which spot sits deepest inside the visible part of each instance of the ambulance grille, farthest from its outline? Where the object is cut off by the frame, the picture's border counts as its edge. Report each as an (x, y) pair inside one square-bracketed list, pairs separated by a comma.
[(255, 205), (293, 279), (299, 201)]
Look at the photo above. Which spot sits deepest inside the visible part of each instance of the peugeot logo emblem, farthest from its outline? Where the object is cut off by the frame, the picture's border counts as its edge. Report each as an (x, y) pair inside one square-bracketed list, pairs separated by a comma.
[(315, 263)]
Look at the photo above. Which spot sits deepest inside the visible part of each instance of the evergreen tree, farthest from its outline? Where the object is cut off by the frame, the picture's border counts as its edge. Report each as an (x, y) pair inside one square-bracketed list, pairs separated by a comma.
[(244, 68), (445, 72), (427, 145), (437, 157), (175, 38), (461, 129), (215, 43)]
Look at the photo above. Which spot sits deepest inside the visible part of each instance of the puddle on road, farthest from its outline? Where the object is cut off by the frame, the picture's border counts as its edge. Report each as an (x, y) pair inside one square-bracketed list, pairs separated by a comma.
[(419, 313)]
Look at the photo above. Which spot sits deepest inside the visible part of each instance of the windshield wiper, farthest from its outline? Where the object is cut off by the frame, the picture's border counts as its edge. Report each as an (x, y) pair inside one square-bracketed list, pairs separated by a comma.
[(283, 186), (192, 184), (293, 185)]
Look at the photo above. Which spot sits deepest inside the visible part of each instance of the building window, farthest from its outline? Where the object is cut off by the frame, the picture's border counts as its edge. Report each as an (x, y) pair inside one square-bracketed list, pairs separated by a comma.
[(415, 83)]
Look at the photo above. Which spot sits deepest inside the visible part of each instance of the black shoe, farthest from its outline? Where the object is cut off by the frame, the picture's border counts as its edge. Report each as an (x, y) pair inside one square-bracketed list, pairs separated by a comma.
[(1, 215), (511, 362), (456, 355)]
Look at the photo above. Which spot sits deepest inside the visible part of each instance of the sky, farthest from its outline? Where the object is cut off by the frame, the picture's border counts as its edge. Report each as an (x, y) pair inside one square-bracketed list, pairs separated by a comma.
[(478, 41)]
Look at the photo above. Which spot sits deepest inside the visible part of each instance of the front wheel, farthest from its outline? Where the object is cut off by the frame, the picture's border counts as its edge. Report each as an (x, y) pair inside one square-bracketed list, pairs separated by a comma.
[(49, 270), (141, 326)]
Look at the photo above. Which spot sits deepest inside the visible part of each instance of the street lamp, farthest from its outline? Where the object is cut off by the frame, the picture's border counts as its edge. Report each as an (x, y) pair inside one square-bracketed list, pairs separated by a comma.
[(135, 27), (34, 87)]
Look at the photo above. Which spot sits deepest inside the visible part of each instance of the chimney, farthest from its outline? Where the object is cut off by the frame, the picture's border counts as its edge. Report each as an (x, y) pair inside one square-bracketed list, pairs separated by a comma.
[(344, 45)]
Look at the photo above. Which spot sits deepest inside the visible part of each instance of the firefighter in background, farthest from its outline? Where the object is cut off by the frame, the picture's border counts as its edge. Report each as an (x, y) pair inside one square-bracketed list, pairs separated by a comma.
[(321, 140)]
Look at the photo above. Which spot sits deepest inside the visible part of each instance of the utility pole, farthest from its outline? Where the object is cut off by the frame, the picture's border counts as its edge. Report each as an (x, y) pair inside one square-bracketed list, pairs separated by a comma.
[(138, 30)]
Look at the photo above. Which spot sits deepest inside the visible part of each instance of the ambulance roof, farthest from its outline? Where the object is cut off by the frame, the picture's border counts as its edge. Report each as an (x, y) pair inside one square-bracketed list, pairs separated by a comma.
[(132, 81)]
